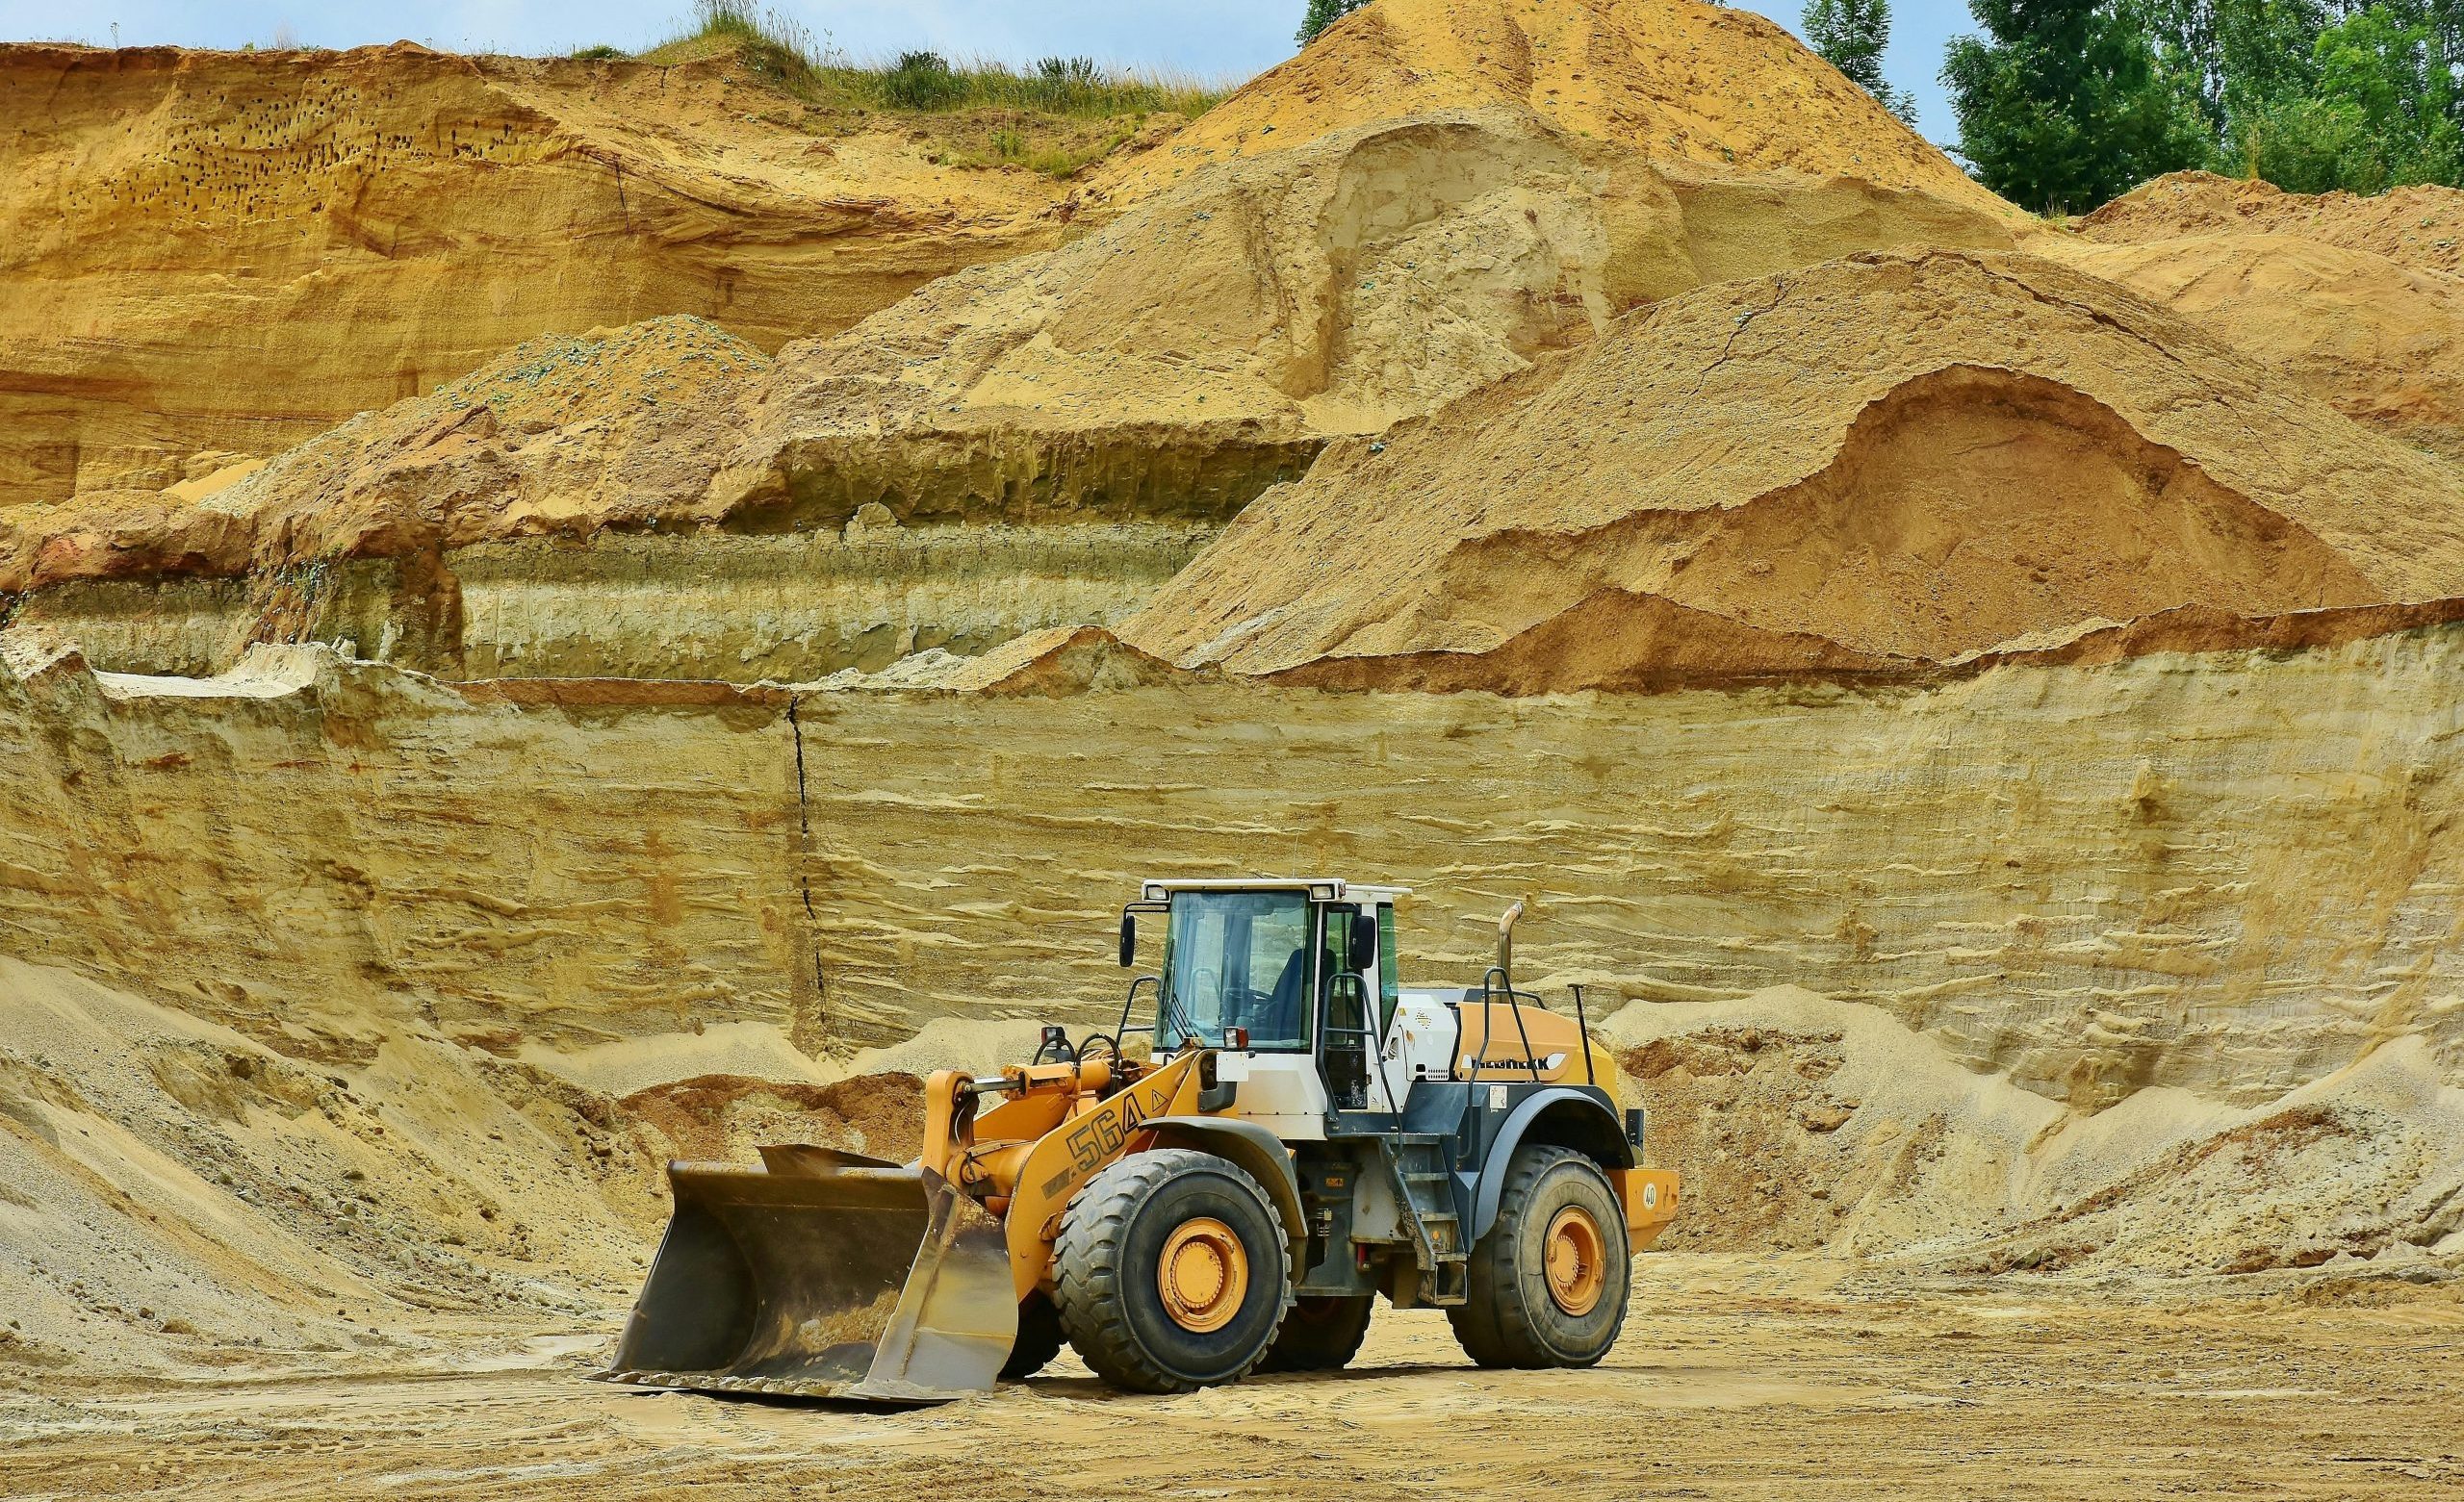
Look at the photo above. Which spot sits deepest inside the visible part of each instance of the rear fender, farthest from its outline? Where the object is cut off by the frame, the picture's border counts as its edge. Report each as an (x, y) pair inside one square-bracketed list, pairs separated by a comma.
[(1260, 1154), (1560, 1117)]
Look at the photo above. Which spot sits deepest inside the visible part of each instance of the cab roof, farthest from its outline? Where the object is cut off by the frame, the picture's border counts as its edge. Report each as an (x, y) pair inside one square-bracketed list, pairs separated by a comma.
[(1326, 889)]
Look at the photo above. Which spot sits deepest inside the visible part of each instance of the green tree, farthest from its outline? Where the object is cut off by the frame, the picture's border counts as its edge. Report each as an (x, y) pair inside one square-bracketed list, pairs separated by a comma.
[(2321, 95), (1324, 14), (1851, 35), (2375, 108), (2233, 52), (2262, 50), (2062, 104)]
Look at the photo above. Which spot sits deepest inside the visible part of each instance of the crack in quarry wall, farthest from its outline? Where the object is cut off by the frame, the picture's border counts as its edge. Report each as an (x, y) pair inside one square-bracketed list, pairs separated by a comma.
[(810, 1031)]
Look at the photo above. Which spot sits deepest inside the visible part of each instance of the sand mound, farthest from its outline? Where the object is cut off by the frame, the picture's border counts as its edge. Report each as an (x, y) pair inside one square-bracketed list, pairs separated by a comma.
[(179, 1198), (1207, 341), (1894, 458), (1167, 366), (728, 1118), (2420, 229), (1226, 325), (175, 1195), (2380, 342), (1804, 1122), (1676, 81)]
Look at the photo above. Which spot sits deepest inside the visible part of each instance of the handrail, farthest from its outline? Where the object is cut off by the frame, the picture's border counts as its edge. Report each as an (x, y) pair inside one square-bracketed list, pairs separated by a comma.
[(1494, 984), (1583, 1024), (1372, 1046), (1131, 999)]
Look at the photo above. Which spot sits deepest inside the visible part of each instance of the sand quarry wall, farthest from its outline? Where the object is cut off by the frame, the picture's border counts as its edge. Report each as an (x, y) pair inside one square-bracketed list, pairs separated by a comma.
[(2229, 873), (248, 248), (320, 853)]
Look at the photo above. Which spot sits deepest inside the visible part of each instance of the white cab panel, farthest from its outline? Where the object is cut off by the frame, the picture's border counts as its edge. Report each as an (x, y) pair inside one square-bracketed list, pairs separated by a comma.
[(1421, 1040), (1284, 1094)]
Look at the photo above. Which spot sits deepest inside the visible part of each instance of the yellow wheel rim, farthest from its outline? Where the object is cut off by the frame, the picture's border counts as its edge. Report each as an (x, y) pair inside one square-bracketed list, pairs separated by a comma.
[(1203, 1275), (1577, 1260)]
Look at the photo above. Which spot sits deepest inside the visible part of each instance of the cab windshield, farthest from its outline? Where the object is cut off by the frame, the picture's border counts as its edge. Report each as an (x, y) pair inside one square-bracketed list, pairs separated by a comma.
[(1236, 959)]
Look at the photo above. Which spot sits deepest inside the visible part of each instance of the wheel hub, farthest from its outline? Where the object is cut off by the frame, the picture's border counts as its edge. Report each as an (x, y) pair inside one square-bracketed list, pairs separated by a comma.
[(1203, 1274), (1574, 1254)]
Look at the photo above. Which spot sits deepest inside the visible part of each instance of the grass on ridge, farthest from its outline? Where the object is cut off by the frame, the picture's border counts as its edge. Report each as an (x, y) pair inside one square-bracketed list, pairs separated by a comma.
[(785, 52)]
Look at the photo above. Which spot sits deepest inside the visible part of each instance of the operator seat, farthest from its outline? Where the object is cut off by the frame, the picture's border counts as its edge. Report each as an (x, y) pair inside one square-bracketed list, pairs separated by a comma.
[(1280, 1020)]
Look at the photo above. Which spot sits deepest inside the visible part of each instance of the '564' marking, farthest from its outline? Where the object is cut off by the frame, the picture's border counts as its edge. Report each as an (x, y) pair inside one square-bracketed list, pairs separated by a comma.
[(1100, 1136)]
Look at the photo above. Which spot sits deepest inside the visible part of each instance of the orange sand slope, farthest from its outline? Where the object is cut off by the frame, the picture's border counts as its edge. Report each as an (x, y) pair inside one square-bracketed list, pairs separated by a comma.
[(1676, 81), (1172, 363), (225, 251), (2359, 300)]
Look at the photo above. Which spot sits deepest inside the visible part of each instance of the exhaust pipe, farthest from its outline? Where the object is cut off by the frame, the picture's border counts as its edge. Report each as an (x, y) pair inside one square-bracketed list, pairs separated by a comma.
[(1505, 944)]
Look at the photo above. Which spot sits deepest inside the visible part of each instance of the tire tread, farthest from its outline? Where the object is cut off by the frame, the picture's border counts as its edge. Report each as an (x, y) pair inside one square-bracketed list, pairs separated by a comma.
[(1492, 1326), (1295, 1351), (1088, 1272)]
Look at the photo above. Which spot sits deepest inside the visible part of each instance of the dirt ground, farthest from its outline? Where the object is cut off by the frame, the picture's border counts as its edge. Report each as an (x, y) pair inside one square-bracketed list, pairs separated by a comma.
[(1738, 1376)]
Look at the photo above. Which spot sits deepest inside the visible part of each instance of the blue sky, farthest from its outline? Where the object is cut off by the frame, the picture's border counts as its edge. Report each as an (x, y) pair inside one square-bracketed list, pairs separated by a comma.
[(1205, 36)]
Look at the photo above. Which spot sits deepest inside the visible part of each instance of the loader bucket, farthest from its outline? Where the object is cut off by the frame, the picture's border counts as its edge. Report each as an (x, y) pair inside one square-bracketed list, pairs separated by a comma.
[(822, 1274)]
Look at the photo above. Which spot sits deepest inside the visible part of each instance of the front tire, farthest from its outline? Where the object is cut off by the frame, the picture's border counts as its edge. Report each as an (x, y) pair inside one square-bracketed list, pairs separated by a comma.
[(1038, 1341), (1549, 1282), (1171, 1272), (1323, 1333)]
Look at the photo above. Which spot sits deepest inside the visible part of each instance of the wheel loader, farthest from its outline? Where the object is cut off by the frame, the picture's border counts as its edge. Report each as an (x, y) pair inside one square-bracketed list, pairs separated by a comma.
[(1275, 1135)]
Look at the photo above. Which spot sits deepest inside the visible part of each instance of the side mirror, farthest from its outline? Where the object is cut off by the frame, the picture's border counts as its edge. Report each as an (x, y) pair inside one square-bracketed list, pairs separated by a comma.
[(1364, 942), (1128, 940)]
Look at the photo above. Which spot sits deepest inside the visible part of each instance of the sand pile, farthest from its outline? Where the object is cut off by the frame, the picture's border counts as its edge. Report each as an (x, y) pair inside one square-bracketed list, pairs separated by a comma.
[(174, 1195), (1804, 1123), (729, 1119), (1877, 462), (1168, 365), (2381, 343), (1181, 355), (1672, 80), (2420, 229), (177, 1197)]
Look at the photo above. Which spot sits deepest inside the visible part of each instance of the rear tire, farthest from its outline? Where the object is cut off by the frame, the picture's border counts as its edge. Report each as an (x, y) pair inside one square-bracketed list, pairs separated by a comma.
[(1038, 1341), (1549, 1283), (1323, 1333), (1171, 1272)]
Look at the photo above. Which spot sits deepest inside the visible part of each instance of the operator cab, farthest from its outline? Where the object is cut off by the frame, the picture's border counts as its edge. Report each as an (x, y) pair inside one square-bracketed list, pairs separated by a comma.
[(1292, 981)]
